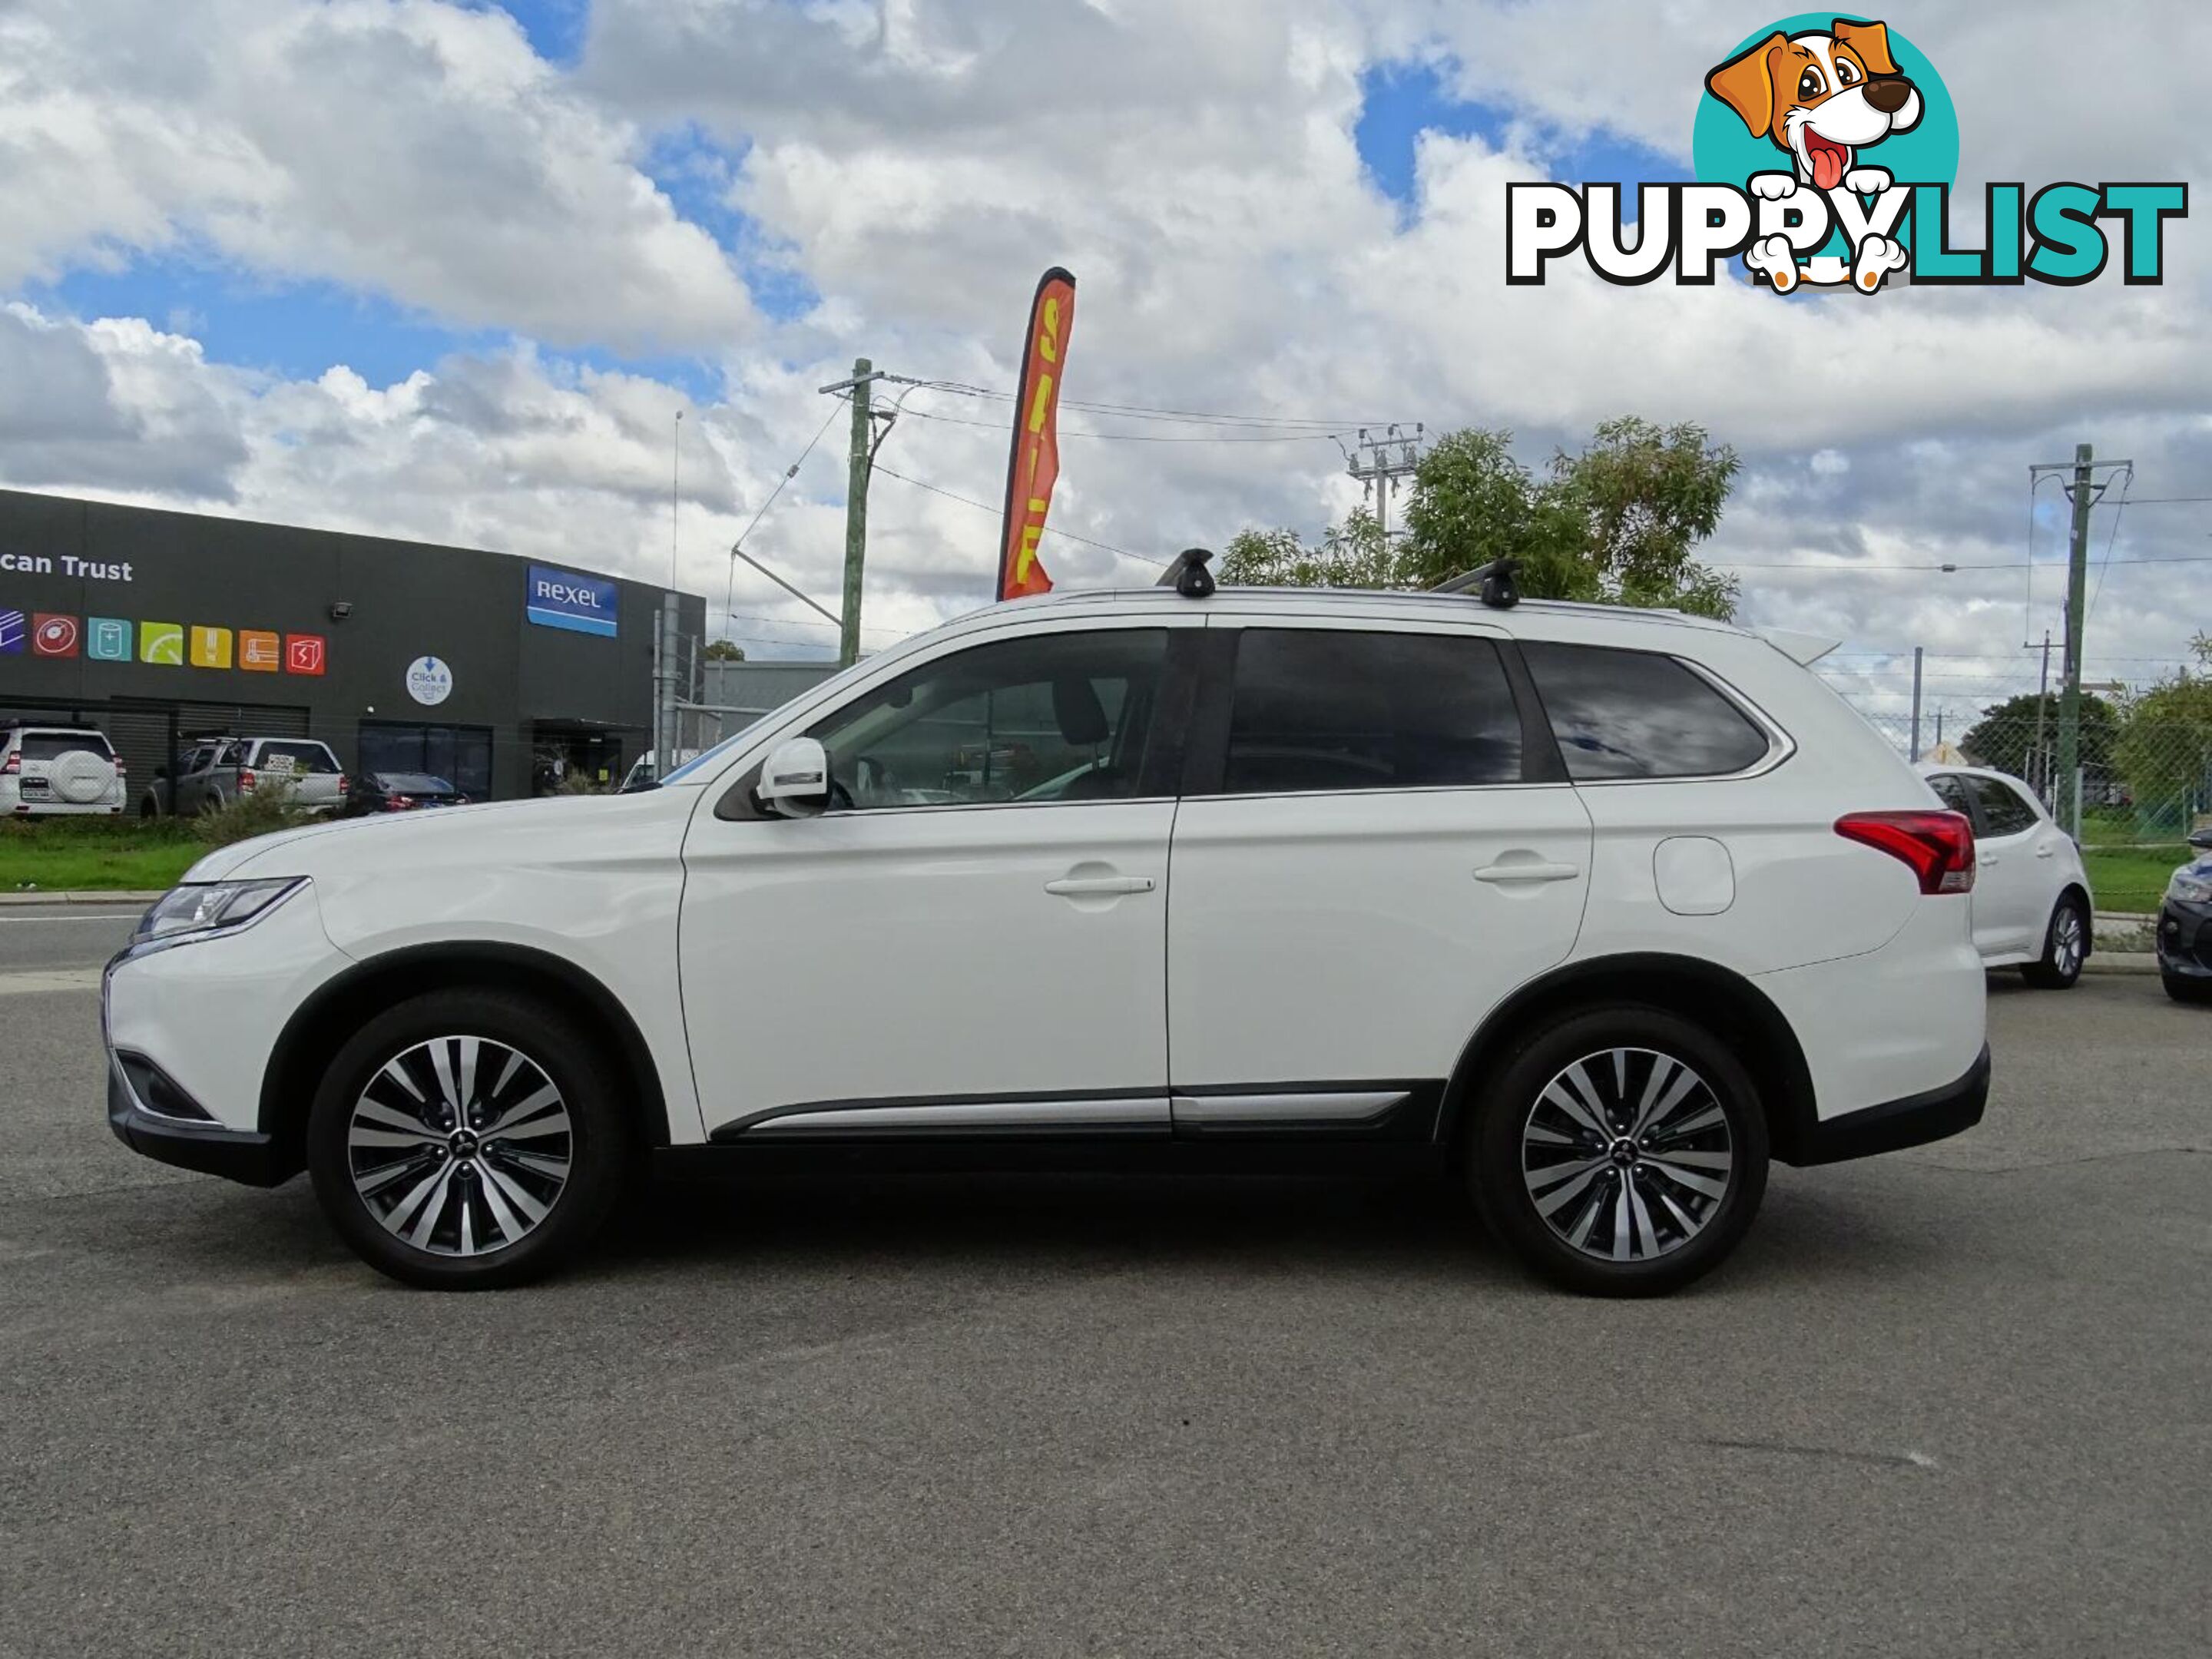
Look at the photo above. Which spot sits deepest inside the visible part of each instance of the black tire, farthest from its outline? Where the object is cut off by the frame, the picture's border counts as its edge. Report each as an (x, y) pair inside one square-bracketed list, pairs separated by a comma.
[(1519, 1102), (2182, 989), (2062, 955), (478, 1206)]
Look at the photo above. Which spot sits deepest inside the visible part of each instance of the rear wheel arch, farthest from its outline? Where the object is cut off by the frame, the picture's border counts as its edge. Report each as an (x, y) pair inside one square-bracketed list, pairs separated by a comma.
[(1721, 1001), (322, 1024)]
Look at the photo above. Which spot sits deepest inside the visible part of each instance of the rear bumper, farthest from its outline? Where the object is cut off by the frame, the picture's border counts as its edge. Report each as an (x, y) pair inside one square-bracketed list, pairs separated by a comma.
[(235, 1154), (1915, 1120)]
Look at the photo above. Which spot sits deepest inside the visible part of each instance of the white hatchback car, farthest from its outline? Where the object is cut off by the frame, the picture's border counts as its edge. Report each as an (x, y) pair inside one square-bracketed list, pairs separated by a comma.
[(1599, 908), (2032, 906)]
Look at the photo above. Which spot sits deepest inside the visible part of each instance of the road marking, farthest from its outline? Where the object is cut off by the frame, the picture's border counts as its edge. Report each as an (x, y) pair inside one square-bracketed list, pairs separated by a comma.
[(64, 979)]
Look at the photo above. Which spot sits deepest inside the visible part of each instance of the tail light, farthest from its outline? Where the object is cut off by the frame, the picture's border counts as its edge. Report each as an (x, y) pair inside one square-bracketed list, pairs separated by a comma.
[(12, 765), (245, 779), (121, 770), (345, 784), (1938, 845), (397, 803)]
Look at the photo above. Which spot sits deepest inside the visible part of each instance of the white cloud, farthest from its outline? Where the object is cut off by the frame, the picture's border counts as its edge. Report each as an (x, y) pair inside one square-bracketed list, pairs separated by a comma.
[(403, 148)]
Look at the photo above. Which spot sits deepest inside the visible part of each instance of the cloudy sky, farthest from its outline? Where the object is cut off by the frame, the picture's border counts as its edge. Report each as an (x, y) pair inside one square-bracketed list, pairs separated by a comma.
[(450, 270)]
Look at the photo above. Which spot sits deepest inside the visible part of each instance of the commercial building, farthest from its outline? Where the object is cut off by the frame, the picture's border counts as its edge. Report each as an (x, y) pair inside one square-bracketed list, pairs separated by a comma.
[(498, 672)]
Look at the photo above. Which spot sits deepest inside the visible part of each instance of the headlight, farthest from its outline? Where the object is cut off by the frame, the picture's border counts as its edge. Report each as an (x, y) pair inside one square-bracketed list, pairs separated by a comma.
[(2188, 887), (211, 907)]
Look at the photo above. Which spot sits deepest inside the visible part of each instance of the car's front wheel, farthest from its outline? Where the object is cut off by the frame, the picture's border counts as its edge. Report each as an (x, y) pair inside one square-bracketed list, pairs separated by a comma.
[(1620, 1151), (2065, 947), (467, 1140)]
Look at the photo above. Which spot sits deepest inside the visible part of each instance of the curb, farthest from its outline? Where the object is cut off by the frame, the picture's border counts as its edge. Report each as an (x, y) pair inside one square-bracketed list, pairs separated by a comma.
[(131, 896), (2121, 961)]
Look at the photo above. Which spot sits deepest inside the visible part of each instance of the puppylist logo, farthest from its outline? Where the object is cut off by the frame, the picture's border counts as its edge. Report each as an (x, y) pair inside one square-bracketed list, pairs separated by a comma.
[(1825, 149)]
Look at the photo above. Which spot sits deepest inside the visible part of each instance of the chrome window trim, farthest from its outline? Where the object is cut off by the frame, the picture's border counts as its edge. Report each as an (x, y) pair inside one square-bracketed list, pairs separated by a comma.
[(1780, 745)]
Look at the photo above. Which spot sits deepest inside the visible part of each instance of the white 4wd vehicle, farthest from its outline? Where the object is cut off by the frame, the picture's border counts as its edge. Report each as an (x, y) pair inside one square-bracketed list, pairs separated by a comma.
[(2032, 905), (1602, 907), (53, 771)]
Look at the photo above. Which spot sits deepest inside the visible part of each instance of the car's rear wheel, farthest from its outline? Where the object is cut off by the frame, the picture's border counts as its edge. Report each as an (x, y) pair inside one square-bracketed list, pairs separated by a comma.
[(2065, 947), (1620, 1151), (467, 1140)]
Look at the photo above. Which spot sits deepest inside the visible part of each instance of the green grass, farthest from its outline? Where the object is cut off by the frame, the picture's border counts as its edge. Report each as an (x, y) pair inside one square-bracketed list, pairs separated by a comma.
[(87, 855), (2131, 877)]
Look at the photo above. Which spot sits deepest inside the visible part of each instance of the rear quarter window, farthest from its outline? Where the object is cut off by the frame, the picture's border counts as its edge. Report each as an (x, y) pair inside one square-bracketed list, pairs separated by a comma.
[(306, 758), (1639, 714)]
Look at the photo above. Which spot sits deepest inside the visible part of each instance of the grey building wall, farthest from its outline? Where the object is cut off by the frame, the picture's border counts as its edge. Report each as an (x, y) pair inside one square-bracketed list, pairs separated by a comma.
[(522, 683)]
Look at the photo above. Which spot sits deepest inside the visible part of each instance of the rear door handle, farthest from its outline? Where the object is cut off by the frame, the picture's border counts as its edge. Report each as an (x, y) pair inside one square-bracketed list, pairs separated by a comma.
[(1098, 886), (2047, 852), (1535, 870)]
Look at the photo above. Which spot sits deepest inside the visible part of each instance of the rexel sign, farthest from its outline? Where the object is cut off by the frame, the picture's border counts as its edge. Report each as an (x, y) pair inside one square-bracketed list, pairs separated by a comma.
[(562, 599)]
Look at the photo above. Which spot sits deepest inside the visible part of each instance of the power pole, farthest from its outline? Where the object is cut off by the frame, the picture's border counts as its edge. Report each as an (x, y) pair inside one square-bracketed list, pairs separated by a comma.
[(1379, 462), (858, 465), (2082, 491), (1917, 651)]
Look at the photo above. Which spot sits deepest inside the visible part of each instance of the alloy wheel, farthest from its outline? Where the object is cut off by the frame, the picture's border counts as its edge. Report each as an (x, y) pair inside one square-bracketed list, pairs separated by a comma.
[(1627, 1154), (461, 1146), (2066, 952)]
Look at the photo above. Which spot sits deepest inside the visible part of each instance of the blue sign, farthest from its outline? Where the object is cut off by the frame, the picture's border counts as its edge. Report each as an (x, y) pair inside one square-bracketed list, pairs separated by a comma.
[(561, 598)]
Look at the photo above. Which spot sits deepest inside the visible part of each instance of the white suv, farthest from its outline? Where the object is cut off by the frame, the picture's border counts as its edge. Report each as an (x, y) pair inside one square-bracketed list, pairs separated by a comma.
[(58, 771), (1602, 907)]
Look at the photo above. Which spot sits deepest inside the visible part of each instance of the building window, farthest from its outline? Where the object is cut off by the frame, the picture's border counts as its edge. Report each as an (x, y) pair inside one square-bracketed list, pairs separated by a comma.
[(460, 754)]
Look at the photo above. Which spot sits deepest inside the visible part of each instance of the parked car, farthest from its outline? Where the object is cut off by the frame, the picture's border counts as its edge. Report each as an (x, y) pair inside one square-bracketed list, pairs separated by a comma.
[(1599, 908), (644, 771), (55, 771), (377, 793), (2184, 926), (2032, 905), (216, 771)]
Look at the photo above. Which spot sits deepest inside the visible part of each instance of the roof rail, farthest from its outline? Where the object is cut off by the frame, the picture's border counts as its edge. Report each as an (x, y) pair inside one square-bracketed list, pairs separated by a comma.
[(1187, 574), (1495, 580)]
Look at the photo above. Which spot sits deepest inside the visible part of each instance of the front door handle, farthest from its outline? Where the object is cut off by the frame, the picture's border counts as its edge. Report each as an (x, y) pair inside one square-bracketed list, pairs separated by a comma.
[(2047, 852), (1098, 886), (1534, 870)]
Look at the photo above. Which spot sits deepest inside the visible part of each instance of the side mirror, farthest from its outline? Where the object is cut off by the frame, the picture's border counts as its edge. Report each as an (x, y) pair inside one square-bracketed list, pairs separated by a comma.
[(2202, 840), (795, 781)]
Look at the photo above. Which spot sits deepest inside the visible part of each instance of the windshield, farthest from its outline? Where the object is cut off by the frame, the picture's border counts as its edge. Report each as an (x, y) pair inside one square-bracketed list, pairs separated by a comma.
[(298, 756), (710, 760)]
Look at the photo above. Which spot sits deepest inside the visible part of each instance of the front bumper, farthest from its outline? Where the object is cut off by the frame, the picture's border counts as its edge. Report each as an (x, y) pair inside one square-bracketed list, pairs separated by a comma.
[(2184, 941), (237, 1154), (1913, 1121)]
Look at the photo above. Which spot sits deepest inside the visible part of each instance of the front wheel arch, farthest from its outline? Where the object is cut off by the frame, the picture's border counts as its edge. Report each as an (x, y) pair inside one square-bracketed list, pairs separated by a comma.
[(322, 1024)]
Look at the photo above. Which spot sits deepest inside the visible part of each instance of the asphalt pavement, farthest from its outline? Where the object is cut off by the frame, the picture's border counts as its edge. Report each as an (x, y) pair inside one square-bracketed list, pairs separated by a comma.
[(1956, 1401)]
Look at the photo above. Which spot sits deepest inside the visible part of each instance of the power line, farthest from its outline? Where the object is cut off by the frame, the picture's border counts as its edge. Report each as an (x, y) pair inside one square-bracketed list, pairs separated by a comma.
[(790, 472), (1143, 412), (1143, 437), (1065, 535), (2112, 536), (1902, 569)]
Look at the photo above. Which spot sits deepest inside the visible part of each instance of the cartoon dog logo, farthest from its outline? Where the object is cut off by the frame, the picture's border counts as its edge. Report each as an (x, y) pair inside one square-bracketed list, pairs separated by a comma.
[(1821, 99)]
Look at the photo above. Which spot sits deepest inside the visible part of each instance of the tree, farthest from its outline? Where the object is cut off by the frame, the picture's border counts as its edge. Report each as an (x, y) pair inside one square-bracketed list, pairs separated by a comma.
[(2004, 738), (724, 650), (1616, 522), (2165, 747)]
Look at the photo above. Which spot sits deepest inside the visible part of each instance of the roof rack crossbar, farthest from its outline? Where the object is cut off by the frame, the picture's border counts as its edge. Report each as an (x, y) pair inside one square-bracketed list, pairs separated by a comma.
[(1495, 580)]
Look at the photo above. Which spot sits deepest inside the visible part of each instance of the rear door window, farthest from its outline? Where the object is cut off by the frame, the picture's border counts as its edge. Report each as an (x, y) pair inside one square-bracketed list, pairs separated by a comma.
[(1340, 709), (1640, 714), (2003, 812)]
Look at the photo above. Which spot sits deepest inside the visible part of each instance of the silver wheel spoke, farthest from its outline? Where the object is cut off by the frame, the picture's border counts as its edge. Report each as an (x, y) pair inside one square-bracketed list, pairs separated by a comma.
[(1560, 1199), (1696, 1183), (1573, 1108), (1539, 1180), (1644, 1231), (1691, 1124), (452, 1189)]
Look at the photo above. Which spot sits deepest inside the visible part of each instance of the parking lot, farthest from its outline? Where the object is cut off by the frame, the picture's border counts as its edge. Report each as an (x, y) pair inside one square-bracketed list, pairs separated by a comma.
[(1954, 1400)]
